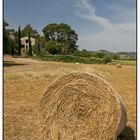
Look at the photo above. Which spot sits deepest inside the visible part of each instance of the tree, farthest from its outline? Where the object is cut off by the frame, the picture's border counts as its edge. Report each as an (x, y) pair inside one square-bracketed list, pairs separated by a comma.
[(28, 29), (67, 37), (73, 37), (52, 47), (19, 41), (9, 40), (30, 47), (100, 55), (63, 34), (83, 53), (115, 57), (30, 32), (5, 24), (107, 59), (6, 49), (50, 32), (12, 46), (37, 47), (42, 41)]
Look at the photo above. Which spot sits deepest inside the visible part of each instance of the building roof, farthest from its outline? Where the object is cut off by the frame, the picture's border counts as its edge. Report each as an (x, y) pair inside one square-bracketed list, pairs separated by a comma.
[(26, 37)]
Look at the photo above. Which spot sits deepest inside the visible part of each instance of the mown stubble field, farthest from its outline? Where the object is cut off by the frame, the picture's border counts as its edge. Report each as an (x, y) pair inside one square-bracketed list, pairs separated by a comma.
[(26, 80)]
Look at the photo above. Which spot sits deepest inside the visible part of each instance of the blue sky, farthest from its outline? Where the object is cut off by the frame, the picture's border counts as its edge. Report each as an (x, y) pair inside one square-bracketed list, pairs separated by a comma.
[(100, 24)]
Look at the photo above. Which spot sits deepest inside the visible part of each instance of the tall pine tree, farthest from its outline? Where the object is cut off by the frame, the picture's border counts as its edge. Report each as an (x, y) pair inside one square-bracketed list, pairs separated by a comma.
[(19, 41), (6, 48), (30, 46)]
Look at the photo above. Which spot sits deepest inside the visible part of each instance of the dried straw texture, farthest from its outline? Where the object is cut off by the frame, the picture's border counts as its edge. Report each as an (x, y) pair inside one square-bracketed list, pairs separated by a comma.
[(81, 106), (119, 66)]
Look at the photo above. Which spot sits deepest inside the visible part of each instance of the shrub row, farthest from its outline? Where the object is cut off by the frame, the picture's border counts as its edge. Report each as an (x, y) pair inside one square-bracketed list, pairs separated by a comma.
[(74, 59)]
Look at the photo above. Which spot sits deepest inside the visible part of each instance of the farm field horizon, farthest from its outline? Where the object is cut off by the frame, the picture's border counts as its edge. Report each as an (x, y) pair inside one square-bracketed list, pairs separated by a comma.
[(26, 80)]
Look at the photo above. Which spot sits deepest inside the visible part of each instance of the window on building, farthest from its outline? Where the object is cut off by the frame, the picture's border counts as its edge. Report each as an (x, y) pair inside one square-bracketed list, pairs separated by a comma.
[(26, 41)]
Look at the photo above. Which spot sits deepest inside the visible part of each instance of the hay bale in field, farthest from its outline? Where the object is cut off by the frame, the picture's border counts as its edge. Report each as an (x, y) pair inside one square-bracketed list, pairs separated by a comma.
[(77, 63), (81, 106), (118, 65), (109, 63)]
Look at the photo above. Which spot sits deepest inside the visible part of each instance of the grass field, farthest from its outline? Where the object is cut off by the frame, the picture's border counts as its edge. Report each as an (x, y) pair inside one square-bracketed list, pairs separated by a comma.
[(26, 80), (125, 62)]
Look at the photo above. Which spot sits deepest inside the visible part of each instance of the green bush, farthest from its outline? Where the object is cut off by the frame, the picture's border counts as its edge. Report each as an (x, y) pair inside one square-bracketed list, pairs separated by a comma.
[(100, 55), (115, 57), (36, 49), (52, 47), (24, 53), (71, 58), (83, 53), (107, 59), (43, 52)]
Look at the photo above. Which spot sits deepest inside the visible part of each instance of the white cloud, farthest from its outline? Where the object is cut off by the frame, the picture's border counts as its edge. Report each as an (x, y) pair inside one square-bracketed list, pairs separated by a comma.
[(113, 37), (91, 15)]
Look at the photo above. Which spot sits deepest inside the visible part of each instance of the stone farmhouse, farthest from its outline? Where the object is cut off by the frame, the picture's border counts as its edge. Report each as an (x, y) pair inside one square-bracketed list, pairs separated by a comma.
[(25, 42)]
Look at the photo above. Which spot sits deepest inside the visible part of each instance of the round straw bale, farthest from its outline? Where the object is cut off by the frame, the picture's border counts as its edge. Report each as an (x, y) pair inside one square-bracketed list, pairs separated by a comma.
[(81, 106), (108, 63), (77, 63), (119, 65)]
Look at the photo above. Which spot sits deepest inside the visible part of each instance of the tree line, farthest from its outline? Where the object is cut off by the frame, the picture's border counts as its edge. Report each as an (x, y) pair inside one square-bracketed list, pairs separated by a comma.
[(56, 39)]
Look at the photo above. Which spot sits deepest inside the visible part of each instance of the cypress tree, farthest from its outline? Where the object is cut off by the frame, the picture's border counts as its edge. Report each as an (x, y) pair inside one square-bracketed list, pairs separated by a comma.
[(19, 41), (38, 47), (11, 43), (30, 47), (6, 48)]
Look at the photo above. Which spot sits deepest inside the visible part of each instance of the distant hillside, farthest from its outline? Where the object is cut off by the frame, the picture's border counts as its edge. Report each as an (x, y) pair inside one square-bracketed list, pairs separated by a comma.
[(101, 51), (130, 55), (125, 55)]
